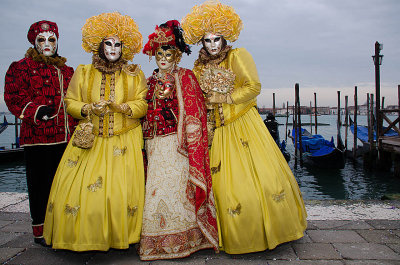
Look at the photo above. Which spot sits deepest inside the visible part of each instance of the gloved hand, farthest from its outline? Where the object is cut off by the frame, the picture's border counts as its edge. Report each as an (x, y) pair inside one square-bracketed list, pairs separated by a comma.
[(100, 108), (167, 114), (120, 108), (44, 113)]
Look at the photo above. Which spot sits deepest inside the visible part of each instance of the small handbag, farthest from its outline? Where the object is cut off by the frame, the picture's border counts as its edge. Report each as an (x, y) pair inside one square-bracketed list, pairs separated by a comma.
[(84, 137)]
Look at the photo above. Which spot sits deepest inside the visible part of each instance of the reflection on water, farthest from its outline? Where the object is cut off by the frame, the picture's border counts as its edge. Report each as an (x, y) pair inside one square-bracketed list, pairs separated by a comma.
[(351, 182), (12, 177)]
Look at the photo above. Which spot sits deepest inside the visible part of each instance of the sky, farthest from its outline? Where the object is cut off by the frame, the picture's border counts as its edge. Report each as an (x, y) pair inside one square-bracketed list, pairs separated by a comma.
[(323, 45)]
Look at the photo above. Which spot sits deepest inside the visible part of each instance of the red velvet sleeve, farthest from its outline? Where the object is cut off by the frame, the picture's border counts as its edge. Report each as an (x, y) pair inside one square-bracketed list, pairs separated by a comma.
[(17, 94)]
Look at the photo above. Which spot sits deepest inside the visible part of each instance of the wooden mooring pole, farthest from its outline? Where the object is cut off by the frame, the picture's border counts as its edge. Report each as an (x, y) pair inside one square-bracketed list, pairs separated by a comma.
[(273, 104), (377, 61), (311, 114), (16, 132), (287, 120), (298, 118), (296, 151), (369, 117), (355, 124), (315, 113), (339, 122), (346, 120), (371, 124), (396, 158)]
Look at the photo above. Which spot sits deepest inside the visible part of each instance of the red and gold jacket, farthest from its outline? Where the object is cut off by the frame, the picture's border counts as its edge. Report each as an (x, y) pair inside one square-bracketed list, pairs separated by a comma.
[(34, 82)]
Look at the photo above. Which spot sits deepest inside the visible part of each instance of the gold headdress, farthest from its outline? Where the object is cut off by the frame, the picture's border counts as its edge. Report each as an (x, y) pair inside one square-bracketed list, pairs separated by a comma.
[(105, 25), (211, 17)]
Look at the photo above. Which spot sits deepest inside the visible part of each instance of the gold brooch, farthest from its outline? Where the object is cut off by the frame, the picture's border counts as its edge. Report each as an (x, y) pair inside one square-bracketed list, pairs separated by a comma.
[(217, 79), (215, 170), (50, 207), (71, 210), (244, 143), (278, 197), (97, 185), (72, 163), (119, 151), (237, 210), (45, 26), (132, 210)]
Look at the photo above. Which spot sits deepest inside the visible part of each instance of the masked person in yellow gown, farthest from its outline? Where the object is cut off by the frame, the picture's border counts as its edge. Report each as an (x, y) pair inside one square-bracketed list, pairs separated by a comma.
[(258, 201), (96, 200), (179, 212)]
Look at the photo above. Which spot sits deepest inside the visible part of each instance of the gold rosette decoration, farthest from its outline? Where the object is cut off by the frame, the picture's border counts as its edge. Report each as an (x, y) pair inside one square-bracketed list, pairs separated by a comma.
[(211, 17), (105, 25), (216, 78)]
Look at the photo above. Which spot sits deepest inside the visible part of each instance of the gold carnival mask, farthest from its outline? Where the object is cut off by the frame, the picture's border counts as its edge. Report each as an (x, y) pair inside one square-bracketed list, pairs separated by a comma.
[(169, 55), (165, 86)]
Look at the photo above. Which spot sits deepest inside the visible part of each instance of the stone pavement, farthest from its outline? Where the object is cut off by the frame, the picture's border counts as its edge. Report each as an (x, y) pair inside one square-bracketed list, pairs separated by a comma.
[(338, 233)]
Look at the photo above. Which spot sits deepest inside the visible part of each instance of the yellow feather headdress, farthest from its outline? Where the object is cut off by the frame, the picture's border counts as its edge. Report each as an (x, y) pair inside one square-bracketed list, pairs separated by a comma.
[(105, 25), (211, 17)]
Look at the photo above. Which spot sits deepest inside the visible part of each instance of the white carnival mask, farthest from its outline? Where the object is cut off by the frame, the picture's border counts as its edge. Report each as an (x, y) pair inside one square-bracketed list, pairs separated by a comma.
[(112, 48), (213, 43), (46, 43)]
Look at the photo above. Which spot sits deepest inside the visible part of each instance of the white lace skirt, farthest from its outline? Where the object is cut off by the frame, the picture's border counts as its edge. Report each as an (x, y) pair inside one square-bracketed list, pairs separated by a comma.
[(169, 227)]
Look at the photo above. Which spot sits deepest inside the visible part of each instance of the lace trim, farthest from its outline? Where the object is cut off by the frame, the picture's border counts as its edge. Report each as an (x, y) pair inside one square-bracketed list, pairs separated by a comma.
[(107, 67)]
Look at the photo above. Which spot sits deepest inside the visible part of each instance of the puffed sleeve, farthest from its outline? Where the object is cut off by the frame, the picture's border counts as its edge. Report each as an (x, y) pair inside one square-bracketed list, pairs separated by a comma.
[(139, 105), (247, 83), (73, 99)]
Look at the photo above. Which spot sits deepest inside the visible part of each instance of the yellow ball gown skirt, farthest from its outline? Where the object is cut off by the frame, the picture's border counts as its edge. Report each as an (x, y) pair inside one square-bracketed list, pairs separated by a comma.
[(97, 197), (258, 200)]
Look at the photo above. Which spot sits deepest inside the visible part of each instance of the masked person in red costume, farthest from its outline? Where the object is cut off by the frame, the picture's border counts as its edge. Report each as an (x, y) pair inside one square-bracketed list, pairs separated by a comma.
[(34, 92), (258, 201), (179, 213)]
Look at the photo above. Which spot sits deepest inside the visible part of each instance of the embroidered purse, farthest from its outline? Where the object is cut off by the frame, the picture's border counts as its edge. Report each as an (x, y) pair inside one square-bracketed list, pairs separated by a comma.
[(84, 137)]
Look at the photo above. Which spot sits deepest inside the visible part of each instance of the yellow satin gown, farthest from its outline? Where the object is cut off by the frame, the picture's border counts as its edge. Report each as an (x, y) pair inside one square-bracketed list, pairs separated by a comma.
[(259, 203), (97, 197)]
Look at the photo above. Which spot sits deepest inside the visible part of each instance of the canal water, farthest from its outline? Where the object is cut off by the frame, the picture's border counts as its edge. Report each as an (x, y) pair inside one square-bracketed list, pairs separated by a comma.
[(351, 182)]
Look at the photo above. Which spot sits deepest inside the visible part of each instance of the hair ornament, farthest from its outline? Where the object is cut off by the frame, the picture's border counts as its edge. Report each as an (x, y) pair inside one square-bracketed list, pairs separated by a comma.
[(211, 17), (167, 34), (105, 25)]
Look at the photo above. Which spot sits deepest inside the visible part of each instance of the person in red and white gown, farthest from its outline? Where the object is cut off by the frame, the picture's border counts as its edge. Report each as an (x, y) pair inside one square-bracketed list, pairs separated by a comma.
[(179, 215)]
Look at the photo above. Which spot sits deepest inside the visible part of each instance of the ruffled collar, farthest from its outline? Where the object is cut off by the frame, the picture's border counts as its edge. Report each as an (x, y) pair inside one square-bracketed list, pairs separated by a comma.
[(40, 58), (157, 73), (206, 58), (105, 66)]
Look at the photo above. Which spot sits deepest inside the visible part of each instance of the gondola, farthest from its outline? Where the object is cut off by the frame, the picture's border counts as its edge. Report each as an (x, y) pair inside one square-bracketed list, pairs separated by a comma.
[(272, 126), (3, 125), (319, 152), (362, 132), (11, 154)]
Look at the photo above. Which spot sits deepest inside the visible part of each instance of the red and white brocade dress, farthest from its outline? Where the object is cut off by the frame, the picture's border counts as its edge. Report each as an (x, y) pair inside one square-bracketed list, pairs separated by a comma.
[(179, 213)]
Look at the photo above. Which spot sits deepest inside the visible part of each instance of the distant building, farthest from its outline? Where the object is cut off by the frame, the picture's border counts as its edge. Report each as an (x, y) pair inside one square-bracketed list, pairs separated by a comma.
[(323, 110), (361, 110), (393, 107)]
